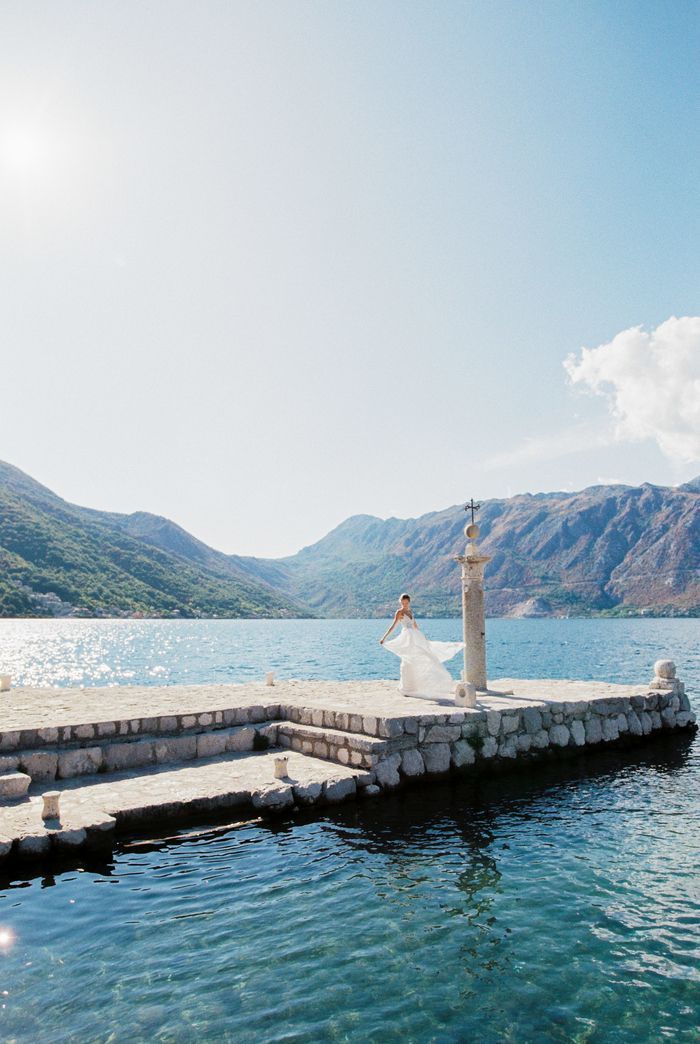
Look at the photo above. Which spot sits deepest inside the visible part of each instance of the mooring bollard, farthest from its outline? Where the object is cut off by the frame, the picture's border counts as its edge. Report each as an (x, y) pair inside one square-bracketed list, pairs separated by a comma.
[(5, 682), (281, 768), (51, 809), (270, 678), (465, 694)]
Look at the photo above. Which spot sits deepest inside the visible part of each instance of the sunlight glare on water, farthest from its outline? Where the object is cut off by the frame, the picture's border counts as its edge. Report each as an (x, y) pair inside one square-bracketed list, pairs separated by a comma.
[(554, 904)]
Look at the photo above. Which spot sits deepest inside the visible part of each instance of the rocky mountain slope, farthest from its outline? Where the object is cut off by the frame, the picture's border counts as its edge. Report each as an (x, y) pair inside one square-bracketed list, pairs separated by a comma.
[(607, 549), (613, 549)]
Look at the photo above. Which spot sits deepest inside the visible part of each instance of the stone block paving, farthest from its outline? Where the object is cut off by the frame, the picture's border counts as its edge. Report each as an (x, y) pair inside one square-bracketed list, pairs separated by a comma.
[(99, 805), (120, 757)]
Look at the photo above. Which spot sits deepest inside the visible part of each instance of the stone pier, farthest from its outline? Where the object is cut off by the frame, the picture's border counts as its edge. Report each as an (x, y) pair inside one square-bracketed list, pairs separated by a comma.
[(123, 758)]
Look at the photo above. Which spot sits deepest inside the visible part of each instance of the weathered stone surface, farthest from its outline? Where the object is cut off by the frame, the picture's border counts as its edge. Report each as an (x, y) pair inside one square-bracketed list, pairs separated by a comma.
[(436, 757), (209, 744), (493, 722), (50, 735), (532, 719), (41, 765), (369, 725), (443, 734), (84, 731), (390, 728), (463, 754), (175, 748), (13, 785), (507, 747), (241, 739), (387, 771), (9, 763), (645, 719), (594, 730), (339, 790), (106, 728), (30, 846), (523, 742), (684, 703), (510, 723), (540, 740), (655, 719), (489, 748), (66, 840), (120, 756), (665, 669), (307, 793), (5, 847), (372, 790), (634, 724), (610, 729), (559, 735), (578, 732), (188, 721), (622, 723), (82, 762), (668, 717), (273, 797), (412, 763), (684, 718), (343, 755)]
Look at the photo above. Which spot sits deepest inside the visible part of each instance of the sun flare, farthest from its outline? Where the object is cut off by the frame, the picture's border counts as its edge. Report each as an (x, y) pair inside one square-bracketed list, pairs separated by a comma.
[(24, 151)]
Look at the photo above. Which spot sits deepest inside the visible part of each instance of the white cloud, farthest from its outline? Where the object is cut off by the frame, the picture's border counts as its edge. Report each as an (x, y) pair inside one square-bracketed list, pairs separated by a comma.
[(651, 382)]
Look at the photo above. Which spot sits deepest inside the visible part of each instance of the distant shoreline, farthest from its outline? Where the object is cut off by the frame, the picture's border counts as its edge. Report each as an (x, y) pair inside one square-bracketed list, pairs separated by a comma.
[(603, 614)]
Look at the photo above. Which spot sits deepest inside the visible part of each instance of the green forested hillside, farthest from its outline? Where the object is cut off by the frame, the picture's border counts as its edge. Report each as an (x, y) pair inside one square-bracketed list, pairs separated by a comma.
[(607, 549), (58, 559)]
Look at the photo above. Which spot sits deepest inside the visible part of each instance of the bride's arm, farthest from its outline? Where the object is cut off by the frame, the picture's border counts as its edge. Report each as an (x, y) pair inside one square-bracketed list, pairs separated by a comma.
[(393, 625)]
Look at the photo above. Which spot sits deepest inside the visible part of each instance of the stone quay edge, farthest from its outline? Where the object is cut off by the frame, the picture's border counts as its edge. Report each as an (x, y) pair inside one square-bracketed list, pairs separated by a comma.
[(123, 757)]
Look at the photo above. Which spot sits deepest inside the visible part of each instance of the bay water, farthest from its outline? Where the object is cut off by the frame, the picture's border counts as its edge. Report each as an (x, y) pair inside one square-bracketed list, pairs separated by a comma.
[(554, 903)]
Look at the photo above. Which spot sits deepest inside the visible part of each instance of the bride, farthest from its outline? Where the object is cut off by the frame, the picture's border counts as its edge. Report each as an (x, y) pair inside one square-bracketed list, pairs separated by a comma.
[(422, 671)]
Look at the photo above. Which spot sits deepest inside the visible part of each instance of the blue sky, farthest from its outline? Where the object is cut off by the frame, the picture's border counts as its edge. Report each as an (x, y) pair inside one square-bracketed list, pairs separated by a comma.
[(266, 265)]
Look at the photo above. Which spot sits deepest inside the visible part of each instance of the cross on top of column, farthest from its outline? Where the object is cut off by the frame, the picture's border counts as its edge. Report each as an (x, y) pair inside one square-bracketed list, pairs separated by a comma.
[(471, 506)]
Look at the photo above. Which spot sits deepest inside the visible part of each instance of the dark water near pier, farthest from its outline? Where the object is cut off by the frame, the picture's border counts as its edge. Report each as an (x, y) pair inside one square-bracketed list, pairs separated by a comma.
[(560, 904)]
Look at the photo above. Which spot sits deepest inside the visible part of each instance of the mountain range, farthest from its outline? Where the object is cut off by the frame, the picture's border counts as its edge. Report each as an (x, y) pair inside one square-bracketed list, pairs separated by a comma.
[(613, 549)]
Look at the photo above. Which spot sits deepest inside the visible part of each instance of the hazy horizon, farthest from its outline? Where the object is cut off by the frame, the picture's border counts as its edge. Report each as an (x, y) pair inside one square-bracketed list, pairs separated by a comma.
[(267, 266)]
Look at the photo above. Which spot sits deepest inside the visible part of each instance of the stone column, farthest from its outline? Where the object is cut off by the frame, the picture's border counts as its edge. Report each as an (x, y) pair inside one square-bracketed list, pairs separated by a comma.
[(473, 615)]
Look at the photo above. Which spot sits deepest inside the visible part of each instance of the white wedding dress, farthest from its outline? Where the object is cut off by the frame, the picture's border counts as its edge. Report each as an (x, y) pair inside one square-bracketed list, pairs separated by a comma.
[(422, 671)]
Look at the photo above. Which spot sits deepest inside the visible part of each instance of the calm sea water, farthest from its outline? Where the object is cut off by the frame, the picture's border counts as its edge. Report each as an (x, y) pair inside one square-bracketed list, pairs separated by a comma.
[(560, 904)]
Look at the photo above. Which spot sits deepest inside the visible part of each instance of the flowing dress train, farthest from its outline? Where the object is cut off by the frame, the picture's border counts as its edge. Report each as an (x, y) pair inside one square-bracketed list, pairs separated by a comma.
[(422, 671)]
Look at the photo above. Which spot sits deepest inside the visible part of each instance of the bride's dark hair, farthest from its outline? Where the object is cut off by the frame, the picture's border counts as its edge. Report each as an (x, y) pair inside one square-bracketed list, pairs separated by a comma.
[(404, 595)]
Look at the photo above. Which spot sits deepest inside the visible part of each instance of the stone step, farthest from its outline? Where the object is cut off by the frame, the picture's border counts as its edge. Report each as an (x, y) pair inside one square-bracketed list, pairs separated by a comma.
[(377, 725), (95, 809), (345, 748), (13, 785), (118, 755), (87, 733)]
